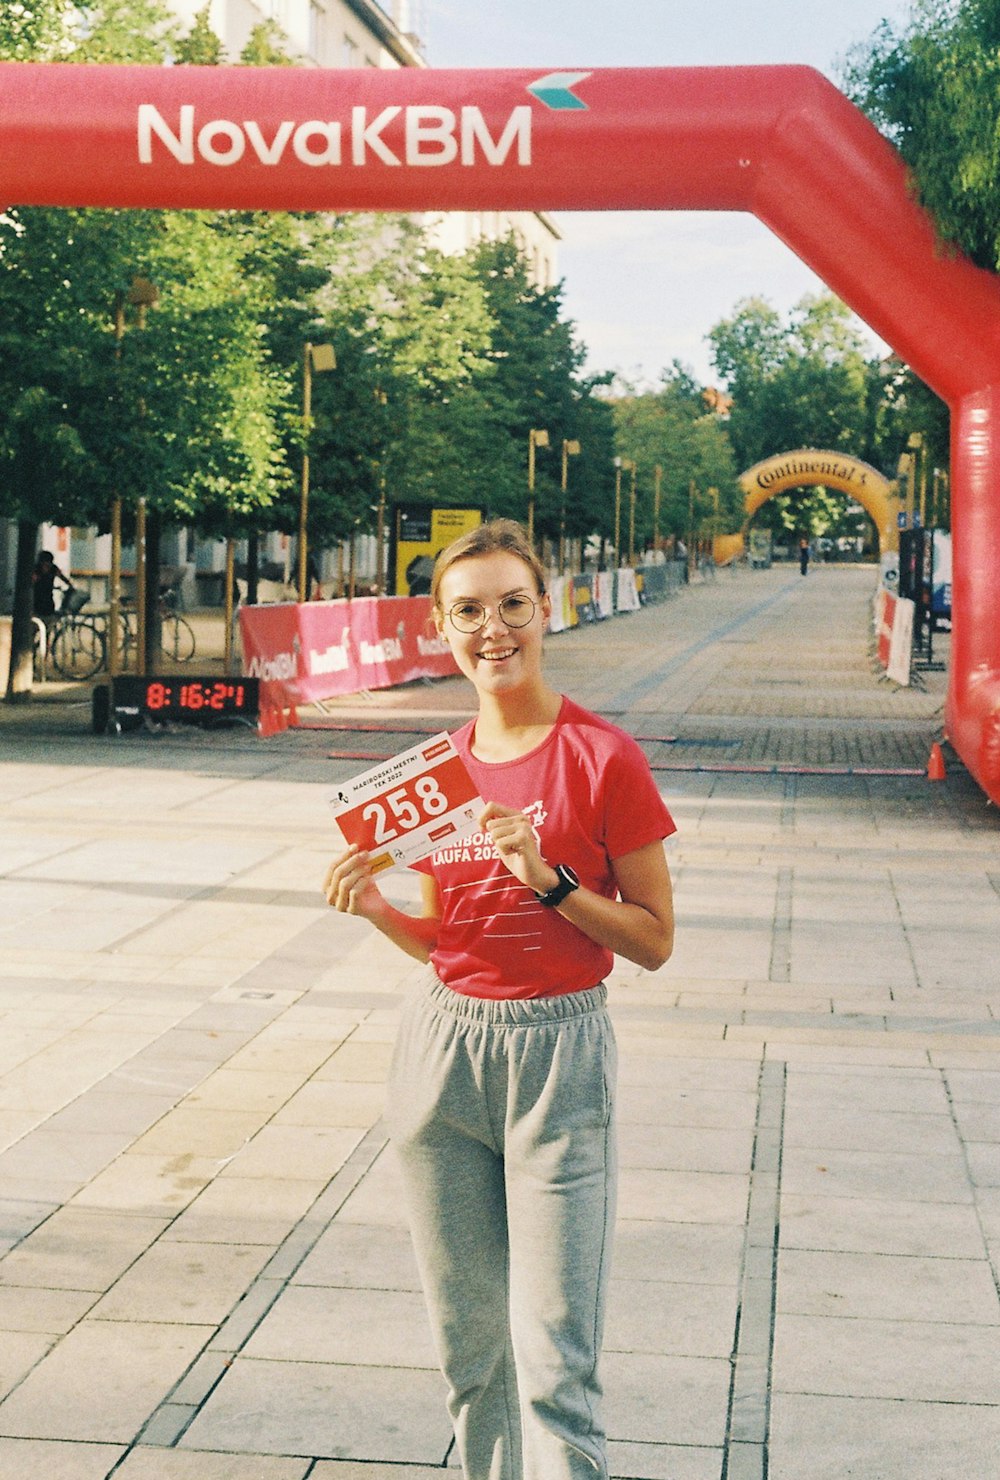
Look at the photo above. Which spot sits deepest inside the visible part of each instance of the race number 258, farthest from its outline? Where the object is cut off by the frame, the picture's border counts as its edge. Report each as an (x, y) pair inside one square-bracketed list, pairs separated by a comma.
[(405, 808)]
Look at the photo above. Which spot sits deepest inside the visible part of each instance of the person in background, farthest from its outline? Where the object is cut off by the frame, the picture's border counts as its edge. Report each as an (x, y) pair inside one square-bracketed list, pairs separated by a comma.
[(43, 583), (501, 1098), (803, 556)]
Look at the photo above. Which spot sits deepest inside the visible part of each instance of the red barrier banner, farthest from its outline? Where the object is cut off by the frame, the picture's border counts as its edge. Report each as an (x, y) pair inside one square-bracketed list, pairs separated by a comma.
[(321, 649)]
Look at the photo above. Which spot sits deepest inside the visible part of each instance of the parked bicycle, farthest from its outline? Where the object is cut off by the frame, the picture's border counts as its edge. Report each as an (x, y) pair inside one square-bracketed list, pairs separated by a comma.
[(74, 644), (177, 639)]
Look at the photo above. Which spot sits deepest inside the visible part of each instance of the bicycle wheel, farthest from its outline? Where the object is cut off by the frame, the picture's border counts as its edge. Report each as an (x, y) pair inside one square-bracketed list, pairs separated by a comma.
[(177, 640), (78, 649)]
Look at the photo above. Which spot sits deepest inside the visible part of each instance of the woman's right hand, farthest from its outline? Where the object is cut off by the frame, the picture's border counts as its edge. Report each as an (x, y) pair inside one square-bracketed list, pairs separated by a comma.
[(350, 885)]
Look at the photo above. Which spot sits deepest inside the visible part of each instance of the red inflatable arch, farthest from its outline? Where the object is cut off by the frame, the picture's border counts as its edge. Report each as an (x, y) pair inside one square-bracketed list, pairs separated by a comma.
[(780, 142)]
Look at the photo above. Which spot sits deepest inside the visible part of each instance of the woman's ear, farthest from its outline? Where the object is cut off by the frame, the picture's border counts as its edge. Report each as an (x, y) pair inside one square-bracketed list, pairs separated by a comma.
[(546, 605)]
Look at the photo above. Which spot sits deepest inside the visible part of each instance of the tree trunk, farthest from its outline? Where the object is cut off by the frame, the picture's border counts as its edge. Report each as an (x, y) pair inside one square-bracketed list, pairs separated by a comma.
[(253, 568), (150, 659), (22, 633)]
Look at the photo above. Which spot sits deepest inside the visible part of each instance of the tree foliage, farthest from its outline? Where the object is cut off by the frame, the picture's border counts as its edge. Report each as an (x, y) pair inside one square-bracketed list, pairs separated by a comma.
[(802, 383), (933, 87), (676, 429)]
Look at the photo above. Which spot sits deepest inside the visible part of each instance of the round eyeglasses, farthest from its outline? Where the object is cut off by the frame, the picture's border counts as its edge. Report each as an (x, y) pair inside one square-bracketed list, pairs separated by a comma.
[(470, 616)]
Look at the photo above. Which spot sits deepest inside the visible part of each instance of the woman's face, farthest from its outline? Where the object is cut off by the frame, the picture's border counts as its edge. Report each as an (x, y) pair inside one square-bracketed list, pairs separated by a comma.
[(497, 657)]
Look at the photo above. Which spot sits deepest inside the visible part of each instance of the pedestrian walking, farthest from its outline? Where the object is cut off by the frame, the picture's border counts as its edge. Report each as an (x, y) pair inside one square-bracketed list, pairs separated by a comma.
[(803, 556), (502, 1087)]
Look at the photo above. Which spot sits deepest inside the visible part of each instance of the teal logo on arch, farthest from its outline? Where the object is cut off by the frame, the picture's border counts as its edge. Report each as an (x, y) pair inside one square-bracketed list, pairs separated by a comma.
[(555, 90)]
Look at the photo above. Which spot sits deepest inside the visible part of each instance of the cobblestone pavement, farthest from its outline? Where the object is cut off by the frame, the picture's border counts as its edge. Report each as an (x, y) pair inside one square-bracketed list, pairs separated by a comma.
[(204, 1273)]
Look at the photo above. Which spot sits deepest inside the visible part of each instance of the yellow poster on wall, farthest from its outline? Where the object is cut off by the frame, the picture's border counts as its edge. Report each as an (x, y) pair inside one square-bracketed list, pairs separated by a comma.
[(419, 533)]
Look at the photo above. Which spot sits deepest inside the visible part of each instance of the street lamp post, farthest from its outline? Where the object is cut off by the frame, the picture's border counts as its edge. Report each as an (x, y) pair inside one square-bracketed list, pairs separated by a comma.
[(570, 448), (631, 516), (905, 470), (316, 357), (381, 399), (141, 295), (537, 437), (618, 507), (915, 441), (657, 490)]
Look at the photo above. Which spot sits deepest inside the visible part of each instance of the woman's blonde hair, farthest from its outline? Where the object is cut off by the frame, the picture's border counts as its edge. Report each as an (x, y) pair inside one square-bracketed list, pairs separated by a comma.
[(504, 535)]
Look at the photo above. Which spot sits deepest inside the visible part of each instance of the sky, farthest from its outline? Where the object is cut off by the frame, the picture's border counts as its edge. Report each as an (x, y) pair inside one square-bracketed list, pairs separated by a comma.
[(644, 288)]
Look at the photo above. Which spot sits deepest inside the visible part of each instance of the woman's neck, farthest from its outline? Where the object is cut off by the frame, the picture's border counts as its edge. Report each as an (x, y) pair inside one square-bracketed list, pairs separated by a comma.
[(509, 726)]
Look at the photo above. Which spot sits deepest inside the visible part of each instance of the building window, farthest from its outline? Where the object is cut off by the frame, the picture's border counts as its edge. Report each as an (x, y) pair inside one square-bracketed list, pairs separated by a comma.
[(350, 52), (317, 29)]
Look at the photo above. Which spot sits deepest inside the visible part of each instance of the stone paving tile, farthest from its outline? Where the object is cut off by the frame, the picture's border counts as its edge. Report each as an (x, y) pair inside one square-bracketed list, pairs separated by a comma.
[(887, 1287), (183, 1282), (79, 1249), (299, 1152), (390, 1414), (686, 1148), (659, 1399), (683, 1197), (663, 1462), (245, 1210), (880, 1226), (138, 1364), (821, 1126), (53, 1312), (357, 1326), (179, 1464), (908, 1360), (828, 1172), (355, 1254), (828, 1438), (20, 1351), (333, 1469), (671, 1318), (208, 1133), (40, 1459), (153, 1185)]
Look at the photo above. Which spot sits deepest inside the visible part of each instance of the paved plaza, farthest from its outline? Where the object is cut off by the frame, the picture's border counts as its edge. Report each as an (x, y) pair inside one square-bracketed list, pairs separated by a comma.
[(204, 1267)]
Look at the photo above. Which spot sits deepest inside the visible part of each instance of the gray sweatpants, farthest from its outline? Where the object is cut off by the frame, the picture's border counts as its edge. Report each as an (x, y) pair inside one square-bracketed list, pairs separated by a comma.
[(501, 1113)]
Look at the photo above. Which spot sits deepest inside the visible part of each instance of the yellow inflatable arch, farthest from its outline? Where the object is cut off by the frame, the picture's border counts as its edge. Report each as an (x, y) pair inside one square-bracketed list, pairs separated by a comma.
[(810, 466)]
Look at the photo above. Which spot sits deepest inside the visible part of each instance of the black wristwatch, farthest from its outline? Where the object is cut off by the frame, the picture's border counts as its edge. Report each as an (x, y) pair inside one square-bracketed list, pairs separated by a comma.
[(568, 881)]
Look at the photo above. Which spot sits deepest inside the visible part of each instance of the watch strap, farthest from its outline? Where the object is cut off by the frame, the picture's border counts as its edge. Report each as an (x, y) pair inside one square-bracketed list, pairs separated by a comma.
[(567, 882)]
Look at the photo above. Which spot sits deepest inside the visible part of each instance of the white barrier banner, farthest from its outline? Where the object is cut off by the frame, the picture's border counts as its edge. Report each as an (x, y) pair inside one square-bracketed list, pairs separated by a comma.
[(901, 642), (628, 591), (604, 592), (557, 595)]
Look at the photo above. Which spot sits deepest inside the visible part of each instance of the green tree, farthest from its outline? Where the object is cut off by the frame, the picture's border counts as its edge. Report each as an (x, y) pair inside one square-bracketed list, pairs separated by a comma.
[(266, 46), (188, 413), (933, 86), (200, 47), (674, 428), (32, 31), (799, 384), (536, 360)]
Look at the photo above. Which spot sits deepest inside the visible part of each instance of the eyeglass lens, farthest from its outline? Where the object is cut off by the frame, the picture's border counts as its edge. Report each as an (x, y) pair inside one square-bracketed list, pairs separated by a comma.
[(514, 611)]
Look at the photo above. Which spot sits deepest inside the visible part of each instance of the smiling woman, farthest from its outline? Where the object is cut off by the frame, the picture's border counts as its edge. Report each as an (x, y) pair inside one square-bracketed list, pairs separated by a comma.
[(502, 1089)]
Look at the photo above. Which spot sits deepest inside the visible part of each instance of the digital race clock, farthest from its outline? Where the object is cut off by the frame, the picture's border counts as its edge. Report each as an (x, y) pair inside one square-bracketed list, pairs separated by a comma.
[(183, 699)]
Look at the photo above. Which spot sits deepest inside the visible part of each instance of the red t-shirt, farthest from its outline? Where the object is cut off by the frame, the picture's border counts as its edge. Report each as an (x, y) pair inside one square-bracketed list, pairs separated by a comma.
[(591, 796)]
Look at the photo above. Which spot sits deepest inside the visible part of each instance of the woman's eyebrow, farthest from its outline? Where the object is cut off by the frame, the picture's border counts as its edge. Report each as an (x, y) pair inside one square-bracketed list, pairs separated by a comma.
[(514, 591)]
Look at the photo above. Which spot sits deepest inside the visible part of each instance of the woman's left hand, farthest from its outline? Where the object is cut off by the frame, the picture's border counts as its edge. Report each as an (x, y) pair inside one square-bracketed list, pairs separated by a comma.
[(516, 842)]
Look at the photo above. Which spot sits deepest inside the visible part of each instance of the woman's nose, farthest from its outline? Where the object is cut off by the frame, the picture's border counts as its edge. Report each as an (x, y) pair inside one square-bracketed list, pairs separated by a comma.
[(494, 622)]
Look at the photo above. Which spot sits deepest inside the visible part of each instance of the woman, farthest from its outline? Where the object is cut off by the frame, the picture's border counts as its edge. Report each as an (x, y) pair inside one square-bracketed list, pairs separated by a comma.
[(501, 1089)]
